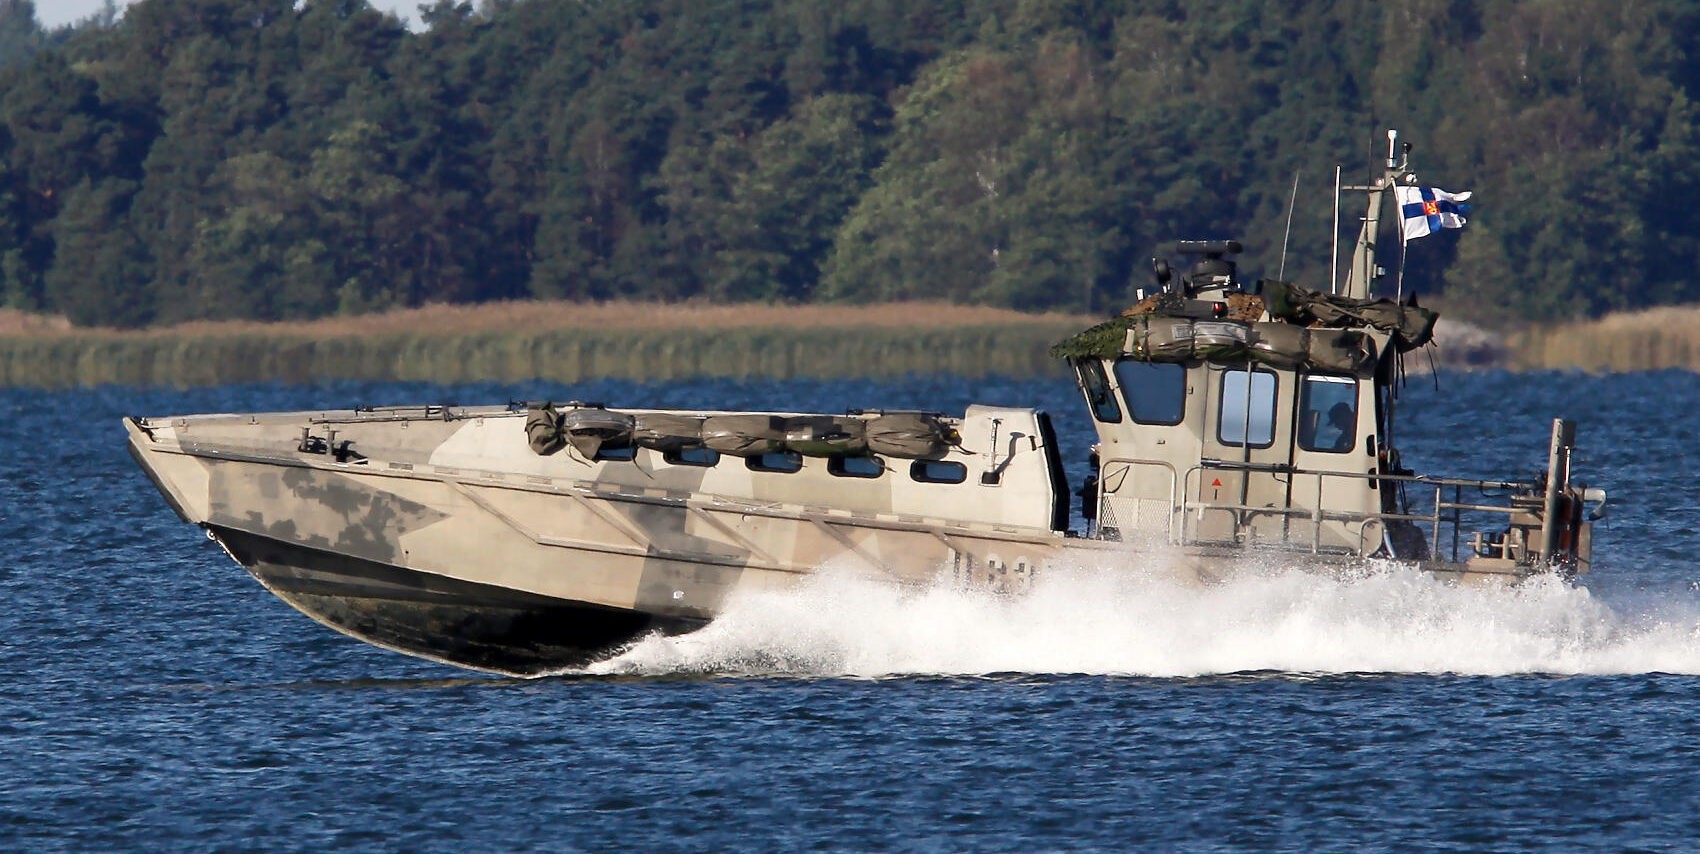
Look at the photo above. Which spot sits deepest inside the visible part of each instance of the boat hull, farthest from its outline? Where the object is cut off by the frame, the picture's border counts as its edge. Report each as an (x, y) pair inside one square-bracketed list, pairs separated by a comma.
[(468, 624), (450, 539), (498, 559)]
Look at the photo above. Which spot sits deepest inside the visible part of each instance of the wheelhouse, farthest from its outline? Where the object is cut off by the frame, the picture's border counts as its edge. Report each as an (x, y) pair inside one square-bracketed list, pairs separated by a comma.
[(1261, 418), (1236, 453)]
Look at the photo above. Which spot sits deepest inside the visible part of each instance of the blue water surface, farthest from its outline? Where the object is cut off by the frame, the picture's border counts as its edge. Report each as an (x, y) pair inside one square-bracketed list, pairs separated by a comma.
[(152, 696)]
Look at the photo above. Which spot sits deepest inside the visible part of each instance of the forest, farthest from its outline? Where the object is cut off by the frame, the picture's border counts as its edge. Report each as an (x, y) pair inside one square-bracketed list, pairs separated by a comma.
[(297, 159)]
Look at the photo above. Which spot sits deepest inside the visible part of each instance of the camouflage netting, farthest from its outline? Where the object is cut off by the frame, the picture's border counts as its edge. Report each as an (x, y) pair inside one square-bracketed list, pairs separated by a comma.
[(1104, 340), (1410, 326)]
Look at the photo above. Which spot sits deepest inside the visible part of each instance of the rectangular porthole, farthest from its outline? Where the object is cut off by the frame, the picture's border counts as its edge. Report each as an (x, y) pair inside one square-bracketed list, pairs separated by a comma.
[(625, 454), (938, 471), (783, 462), (856, 466), (692, 457)]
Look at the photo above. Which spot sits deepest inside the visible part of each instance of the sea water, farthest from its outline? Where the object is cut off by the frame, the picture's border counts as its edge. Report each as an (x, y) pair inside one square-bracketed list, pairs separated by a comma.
[(153, 696)]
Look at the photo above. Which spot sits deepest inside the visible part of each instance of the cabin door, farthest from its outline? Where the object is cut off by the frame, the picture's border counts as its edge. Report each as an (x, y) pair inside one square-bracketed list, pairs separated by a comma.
[(1333, 450), (1144, 413), (1242, 484)]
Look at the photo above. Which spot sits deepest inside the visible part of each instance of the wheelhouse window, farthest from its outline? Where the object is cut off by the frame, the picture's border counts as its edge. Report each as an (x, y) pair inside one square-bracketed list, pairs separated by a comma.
[(1155, 391), (1247, 408), (1096, 384), (1328, 414)]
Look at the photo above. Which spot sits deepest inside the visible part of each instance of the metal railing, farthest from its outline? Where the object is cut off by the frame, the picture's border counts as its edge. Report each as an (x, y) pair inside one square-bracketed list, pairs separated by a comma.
[(1439, 516)]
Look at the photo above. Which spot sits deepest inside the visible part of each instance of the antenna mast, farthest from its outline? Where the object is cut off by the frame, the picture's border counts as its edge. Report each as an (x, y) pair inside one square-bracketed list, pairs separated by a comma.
[(1364, 271)]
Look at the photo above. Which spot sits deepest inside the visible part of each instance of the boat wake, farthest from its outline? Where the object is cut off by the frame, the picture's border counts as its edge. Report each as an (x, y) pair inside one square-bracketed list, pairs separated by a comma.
[(1117, 622)]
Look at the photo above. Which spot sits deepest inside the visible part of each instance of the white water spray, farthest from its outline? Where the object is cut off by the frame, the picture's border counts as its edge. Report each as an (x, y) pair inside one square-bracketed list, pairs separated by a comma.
[(1144, 623)]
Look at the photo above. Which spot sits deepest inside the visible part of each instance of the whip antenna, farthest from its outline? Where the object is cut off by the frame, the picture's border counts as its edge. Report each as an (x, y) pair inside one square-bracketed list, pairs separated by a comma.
[(1282, 273)]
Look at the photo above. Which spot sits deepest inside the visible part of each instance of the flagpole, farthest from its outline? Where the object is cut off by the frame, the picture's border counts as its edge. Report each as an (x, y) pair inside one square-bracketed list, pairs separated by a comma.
[(1404, 244)]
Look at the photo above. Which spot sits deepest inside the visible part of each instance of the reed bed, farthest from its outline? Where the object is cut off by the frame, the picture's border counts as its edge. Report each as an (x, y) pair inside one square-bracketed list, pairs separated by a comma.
[(569, 342), (14, 322), (557, 341), (1651, 340)]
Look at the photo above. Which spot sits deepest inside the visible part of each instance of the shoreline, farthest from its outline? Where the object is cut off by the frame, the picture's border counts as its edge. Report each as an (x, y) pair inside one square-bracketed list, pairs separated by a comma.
[(542, 315), (564, 342), (571, 342)]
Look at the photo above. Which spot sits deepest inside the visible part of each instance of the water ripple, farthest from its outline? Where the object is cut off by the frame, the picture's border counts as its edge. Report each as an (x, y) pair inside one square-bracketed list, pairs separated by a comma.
[(151, 696)]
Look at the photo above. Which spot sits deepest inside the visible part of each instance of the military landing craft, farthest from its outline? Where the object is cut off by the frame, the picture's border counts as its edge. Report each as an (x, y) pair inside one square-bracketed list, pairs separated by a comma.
[(1233, 423)]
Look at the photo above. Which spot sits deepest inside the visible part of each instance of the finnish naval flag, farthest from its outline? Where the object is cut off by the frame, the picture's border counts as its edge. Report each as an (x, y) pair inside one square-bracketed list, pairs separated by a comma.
[(1427, 210)]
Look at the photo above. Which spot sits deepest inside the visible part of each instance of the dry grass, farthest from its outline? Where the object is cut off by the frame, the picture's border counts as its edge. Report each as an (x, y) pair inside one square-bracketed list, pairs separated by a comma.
[(1655, 339), (19, 323)]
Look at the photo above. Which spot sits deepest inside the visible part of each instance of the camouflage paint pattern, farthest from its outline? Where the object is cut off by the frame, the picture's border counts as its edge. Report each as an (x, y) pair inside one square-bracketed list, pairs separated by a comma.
[(458, 497)]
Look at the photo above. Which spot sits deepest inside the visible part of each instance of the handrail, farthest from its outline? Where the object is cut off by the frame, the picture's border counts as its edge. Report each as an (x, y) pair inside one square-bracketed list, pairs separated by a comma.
[(1445, 511), (1442, 514), (1238, 465), (1286, 468)]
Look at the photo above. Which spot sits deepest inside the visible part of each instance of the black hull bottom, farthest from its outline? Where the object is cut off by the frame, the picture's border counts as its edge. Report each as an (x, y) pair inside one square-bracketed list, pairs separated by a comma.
[(472, 625)]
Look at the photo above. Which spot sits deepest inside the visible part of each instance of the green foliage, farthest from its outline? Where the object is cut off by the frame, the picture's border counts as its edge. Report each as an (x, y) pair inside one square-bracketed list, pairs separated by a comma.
[(20, 34), (277, 159)]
